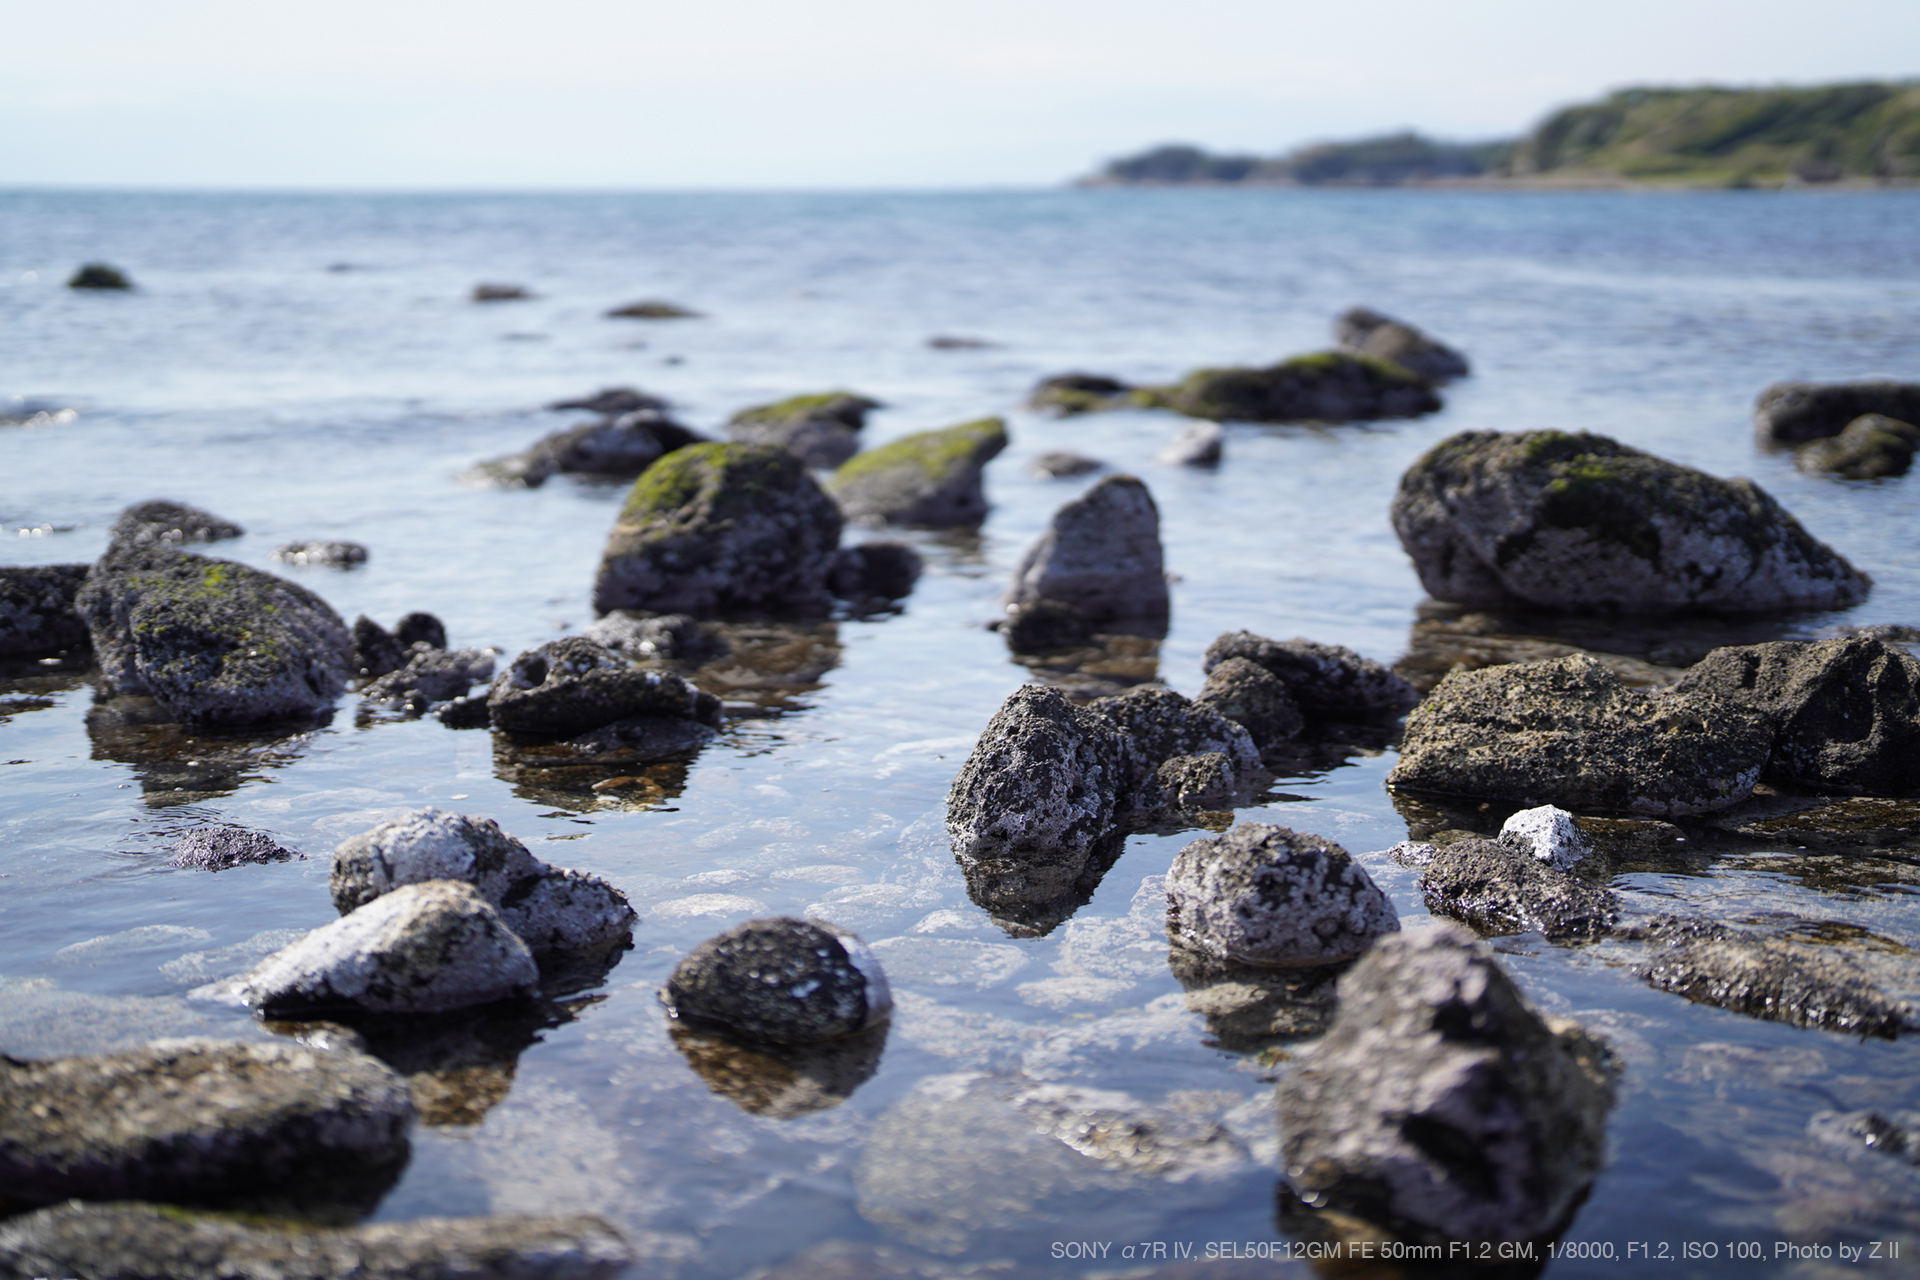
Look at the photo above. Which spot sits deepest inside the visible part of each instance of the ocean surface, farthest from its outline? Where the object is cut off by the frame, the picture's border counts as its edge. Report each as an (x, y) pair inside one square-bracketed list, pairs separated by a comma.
[(311, 367)]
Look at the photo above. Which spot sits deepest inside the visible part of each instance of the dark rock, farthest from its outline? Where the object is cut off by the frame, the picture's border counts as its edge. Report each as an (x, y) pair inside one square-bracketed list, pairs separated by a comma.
[(338, 555), (785, 980), (1160, 725), (1783, 981), (1101, 556), (652, 309), (717, 527), (1329, 683), (1330, 386), (500, 293), (376, 651), (1872, 446), (1058, 464), (430, 676), (1844, 713), (212, 641), (1044, 626), (1439, 1106), (1067, 394), (572, 685), (1366, 332), (465, 713), (952, 342), (1791, 413), (1896, 1135), (781, 1081), (1567, 733), (875, 571), (1198, 445), (930, 479), (1500, 888), (168, 524), (1254, 698), (1206, 780), (1579, 522), (420, 629), (822, 430), (37, 617), (98, 275), (218, 848), (1267, 896), (617, 447), (612, 401), (137, 1241), (202, 1122), (1045, 778), (672, 636)]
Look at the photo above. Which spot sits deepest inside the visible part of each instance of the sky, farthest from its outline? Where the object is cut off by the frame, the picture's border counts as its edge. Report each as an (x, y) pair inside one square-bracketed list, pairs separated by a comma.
[(706, 94)]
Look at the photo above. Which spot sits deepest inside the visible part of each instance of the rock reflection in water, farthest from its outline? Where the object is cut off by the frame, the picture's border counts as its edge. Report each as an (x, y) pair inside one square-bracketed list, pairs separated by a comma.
[(1030, 893), (781, 1081), (1343, 1247), (1249, 1009), (177, 764), (1104, 665), (768, 665)]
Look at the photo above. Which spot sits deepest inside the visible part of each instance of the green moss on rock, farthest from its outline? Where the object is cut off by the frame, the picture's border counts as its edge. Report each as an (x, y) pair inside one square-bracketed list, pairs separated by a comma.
[(930, 478), (1326, 386)]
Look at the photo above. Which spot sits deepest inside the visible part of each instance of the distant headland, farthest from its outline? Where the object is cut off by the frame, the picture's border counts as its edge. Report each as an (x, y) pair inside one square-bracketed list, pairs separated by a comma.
[(1859, 134)]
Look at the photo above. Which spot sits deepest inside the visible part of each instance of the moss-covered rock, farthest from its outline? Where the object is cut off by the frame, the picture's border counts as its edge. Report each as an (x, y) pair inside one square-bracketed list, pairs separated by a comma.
[(37, 617), (930, 479), (823, 429), (715, 528), (1871, 447), (1579, 522), (1068, 394), (1367, 332), (1328, 386), (1792, 413)]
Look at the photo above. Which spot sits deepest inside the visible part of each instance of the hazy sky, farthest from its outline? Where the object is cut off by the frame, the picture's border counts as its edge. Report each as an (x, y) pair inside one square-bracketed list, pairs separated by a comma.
[(834, 93)]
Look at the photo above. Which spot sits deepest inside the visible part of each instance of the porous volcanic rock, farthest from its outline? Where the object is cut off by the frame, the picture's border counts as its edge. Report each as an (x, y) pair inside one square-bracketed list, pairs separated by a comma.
[(1781, 980), (430, 676), (1791, 413), (1160, 725), (1871, 447), (823, 430), (1549, 835), (168, 524), (1100, 556), (718, 527), (37, 617), (671, 636), (376, 651), (785, 980), (1328, 386), (1253, 697), (1582, 523), (1566, 732), (1269, 896), (931, 479), (573, 685), (218, 848), (1329, 683), (1501, 888), (1367, 332), (1440, 1106), (1046, 776)]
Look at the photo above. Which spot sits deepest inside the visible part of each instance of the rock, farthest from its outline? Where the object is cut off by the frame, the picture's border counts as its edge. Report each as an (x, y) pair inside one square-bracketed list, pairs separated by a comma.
[(1044, 626), (37, 617), (1067, 394), (612, 401), (1205, 780), (1329, 683), (930, 479), (430, 676), (652, 309), (218, 848), (1896, 1135), (716, 527), (1100, 556), (781, 1081), (572, 685), (1366, 332), (822, 430), (1059, 464), (421, 948), (500, 293), (1250, 1008), (1782, 981), (1844, 713), (168, 524), (552, 910), (98, 275), (1791, 413), (201, 1122), (1198, 445), (785, 980), (1268, 896), (619, 447), (338, 555), (1160, 725), (875, 571), (1500, 888), (1568, 733), (1330, 386), (1254, 698), (212, 641), (952, 342), (1439, 1106), (1872, 446), (1045, 777), (465, 713), (1548, 835), (420, 629), (376, 651), (131, 1241), (1579, 522), (672, 636)]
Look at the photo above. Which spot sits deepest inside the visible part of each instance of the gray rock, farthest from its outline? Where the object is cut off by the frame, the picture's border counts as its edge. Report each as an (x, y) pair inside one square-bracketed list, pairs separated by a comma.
[(785, 980), (673, 636), (572, 685), (931, 479), (717, 527), (611, 401), (1501, 888), (552, 910), (1549, 835), (1100, 555), (470, 712), (1327, 386), (1844, 713), (621, 447), (1045, 777), (1366, 332), (37, 617), (875, 571), (1782, 981), (161, 523), (1254, 698), (494, 292), (1871, 447), (1790, 413), (420, 948), (1439, 1106), (1044, 626), (137, 1241), (822, 430), (1067, 394), (1058, 464), (1579, 522), (1268, 896), (198, 1122), (338, 555), (218, 848), (1331, 684), (1198, 445), (1207, 780), (1568, 733), (1160, 724), (430, 676), (1896, 1134), (212, 641), (376, 651)]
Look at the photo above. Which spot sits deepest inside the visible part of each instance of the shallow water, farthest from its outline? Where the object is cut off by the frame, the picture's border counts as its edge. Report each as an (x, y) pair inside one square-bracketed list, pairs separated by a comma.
[(246, 377)]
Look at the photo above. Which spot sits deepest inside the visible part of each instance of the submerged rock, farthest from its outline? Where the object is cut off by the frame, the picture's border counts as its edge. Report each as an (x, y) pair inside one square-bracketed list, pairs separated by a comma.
[(338, 555), (1329, 683), (931, 479), (1249, 1008), (1440, 1106), (1330, 386), (1568, 733), (430, 676), (822, 430), (572, 685), (212, 641), (1499, 887), (37, 617), (1782, 981), (1872, 446), (1253, 697), (1198, 445), (1100, 556), (1895, 1135), (1791, 413), (1579, 522), (500, 293), (219, 848), (618, 447), (785, 980), (1067, 394), (99, 275), (1269, 896), (1366, 332), (168, 524), (717, 527)]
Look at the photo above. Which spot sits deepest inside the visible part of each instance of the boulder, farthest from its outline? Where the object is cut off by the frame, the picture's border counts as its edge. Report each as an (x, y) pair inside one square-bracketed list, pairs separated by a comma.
[(98, 275), (1197, 445), (572, 685), (717, 527), (168, 524), (875, 571), (822, 430), (1791, 413), (1100, 556), (1254, 698), (652, 309), (1329, 386), (1366, 332), (430, 676), (1566, 732), (618, 447), (1060, 464), (1067, 394), (1582, 523), (420, 948), (214, 642), (337, 555), (1844, 713), (670, 637), (930, 479), (1782, 981), (1871, 447), (198, 1122), (376, 651), (37, 617), (1329, 683), (611, 402), (1267, 896), (550, 909), (218, 848), (1548, 835), (1160, 725), (1501, 888), (1439, 1106), (1044, 778), (784, 980), (1204, 780)]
